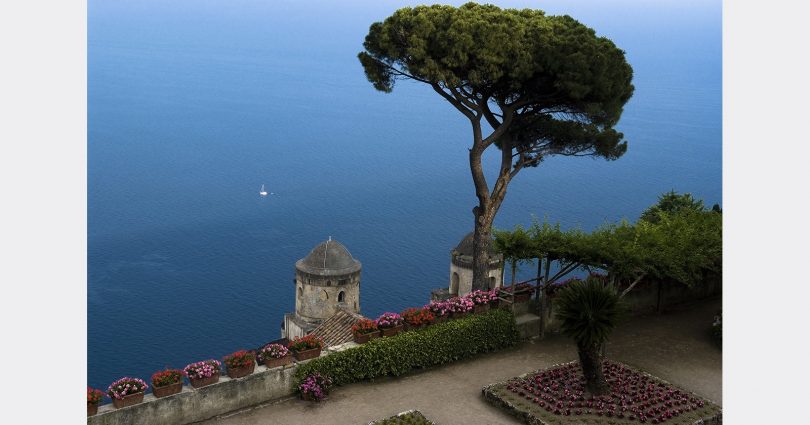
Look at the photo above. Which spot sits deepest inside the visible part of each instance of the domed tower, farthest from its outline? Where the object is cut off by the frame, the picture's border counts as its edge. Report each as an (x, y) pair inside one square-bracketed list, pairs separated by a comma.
[(461, 267), (326, 280)]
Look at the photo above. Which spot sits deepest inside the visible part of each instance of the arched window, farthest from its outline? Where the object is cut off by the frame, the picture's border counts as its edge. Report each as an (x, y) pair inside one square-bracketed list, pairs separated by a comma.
[(454, 283), (328, 283), (341, 296), (300, 292)]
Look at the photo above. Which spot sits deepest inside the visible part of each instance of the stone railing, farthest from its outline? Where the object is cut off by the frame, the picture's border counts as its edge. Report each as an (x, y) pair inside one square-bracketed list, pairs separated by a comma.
[(198, 404)]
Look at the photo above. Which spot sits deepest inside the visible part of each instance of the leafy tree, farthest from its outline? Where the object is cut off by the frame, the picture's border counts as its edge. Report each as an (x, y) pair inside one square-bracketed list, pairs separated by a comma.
[(545, 86), (516, 246), (672, 203), (588, 312)]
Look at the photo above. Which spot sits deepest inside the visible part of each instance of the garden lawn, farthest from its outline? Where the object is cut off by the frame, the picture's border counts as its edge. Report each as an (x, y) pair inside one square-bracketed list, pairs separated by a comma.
[(557, 396)]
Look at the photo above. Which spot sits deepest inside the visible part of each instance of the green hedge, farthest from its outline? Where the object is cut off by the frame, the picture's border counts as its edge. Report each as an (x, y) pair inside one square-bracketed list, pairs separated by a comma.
[(437, 344)]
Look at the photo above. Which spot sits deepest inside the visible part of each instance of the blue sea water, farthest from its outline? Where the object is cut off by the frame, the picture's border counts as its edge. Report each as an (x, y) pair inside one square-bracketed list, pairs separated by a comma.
[(192, 105)]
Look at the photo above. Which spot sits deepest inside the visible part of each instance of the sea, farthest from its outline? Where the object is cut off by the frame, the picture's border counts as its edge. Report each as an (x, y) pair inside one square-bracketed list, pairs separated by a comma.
[(193, 105)]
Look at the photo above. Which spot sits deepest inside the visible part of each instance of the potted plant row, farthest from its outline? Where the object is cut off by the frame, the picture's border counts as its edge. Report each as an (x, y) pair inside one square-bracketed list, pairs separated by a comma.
[(240, 364), (306, 347), (127, 391), (94, 398), (275, 355), (481, 300), (417, 318), (167, 382), (390, 324), (203, 373), (365, 330)]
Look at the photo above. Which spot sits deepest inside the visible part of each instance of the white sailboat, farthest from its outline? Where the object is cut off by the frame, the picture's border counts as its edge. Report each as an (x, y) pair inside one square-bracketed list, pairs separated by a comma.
[(262, 191)]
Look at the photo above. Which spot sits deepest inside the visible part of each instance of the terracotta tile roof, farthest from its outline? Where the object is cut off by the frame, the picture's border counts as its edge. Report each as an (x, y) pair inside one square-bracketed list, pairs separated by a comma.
[(337, 329)]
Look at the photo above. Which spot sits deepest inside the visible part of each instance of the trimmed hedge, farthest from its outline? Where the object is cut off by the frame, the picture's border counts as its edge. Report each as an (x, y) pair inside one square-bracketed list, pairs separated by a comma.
[(437, 344)]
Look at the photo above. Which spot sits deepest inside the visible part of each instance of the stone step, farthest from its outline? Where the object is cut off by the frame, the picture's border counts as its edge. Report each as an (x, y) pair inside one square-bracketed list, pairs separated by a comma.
[(528, 325)]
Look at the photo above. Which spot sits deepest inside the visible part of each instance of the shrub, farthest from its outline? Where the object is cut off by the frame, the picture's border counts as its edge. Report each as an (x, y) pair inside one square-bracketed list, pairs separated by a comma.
[(434, 345), (389, 320), (315, 385), (306, 342), (239, 359), (364, 326), (417, 316), (126, 386), (203, 369), (273, 351), (94, 396), (167, 377)]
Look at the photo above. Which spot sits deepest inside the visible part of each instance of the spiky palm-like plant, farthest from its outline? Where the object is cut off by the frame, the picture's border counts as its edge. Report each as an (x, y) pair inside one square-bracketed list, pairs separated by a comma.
[(588, 312)]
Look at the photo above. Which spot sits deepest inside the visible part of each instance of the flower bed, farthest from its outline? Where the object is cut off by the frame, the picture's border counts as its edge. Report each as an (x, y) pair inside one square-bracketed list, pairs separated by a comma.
[(557, 396), (416, 318)]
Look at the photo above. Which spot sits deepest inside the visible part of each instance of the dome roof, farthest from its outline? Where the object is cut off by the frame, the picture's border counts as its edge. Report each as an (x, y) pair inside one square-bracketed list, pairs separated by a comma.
[(328, 258), (465, 247)]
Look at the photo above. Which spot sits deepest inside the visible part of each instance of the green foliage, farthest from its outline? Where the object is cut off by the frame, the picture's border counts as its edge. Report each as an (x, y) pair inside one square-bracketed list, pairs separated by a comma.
[(588, 311), (672, 203), (411, 418), (516, 246), (437, 344), (566, 86)]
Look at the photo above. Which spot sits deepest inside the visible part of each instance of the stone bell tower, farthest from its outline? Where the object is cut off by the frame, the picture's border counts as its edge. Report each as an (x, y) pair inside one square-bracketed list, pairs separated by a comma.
[(326, 280)]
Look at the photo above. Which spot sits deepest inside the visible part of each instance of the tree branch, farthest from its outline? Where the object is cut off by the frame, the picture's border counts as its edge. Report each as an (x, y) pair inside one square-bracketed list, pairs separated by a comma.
[(638, 279)]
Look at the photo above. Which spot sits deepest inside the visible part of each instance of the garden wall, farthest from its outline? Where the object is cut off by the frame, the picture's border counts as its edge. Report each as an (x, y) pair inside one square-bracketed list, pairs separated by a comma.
[(193, 405)]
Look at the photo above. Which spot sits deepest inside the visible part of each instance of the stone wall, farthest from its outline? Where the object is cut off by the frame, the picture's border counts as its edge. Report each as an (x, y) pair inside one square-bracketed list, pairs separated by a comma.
[(198, 404)]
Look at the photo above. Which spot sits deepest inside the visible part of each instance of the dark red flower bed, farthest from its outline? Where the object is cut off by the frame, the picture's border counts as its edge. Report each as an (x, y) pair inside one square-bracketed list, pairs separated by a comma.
[(634, 396)]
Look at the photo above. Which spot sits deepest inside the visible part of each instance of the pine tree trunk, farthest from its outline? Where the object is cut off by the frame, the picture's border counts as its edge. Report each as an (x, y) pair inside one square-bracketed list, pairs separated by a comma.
[(591, 361), (481, 241)]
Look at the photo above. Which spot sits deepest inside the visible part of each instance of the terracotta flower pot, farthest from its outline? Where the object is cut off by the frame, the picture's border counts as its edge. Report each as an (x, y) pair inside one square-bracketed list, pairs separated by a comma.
[(307, 354), (202, 382), (440, 319), (167, 389), (92, 409), (283, 361), (374, 335), (239, 372), (480, 308), (391, 331), (128, 400), (364, 338), (459, 314)]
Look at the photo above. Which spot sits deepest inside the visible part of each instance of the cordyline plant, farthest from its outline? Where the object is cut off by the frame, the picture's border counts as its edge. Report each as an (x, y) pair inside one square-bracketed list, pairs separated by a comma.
[(364, 326), (417, 316), (306, 342), (389, 320), (167, 377), (273, 351), (588, 312), (239, 359), (94, 396), (315, 385), (126, 386), (203, 369)]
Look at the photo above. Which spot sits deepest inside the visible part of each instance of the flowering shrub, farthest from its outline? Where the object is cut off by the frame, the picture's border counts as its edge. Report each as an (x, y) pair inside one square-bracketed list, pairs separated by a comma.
[(167, 377), (364, 326), (634, 396), (273, 351), (315, 385), (94, 396), (480, 297), (239, 359), (203, 369), (459, 305), (417, 316), (438, 308), (126, 386), (306, 342), (389, 320)]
